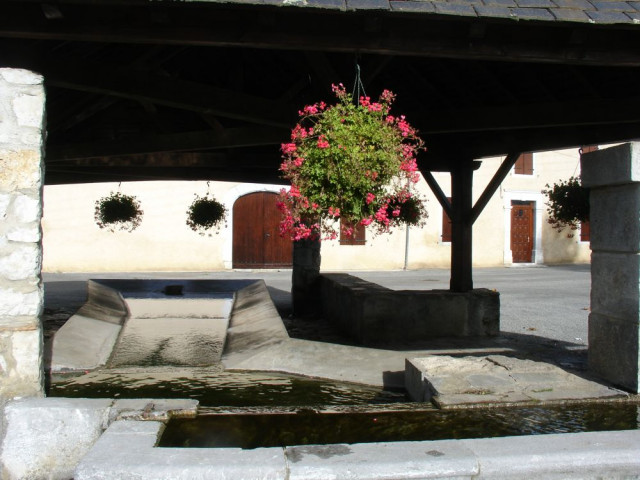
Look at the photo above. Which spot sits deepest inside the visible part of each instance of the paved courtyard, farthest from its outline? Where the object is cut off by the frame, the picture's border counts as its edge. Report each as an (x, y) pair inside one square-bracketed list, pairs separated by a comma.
[(550, 302)]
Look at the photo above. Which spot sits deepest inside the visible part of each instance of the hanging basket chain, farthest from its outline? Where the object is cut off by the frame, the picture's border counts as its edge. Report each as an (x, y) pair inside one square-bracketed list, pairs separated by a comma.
[(358, 87)]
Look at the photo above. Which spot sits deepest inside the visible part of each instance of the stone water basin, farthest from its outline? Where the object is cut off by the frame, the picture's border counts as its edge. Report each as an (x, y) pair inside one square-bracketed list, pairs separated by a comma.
[(146, 323)]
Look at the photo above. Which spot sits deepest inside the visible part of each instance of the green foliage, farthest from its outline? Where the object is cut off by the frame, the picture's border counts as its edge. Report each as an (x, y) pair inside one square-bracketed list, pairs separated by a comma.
[(568, 204), (205, 214), (118, 212), (354, 162)]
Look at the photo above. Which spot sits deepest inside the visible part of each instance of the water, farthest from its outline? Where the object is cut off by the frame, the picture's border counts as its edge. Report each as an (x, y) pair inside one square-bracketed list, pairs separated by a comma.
[(308, 427), (214, 388), (251, 410)]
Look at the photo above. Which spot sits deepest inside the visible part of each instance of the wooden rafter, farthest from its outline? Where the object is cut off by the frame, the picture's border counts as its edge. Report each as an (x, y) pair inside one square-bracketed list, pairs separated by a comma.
[(186, 95), (540, 115), (204, 140)]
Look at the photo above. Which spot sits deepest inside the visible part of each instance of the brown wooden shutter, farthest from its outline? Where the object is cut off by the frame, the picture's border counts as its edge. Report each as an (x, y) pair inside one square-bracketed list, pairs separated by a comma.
[(359, 237), (585, 232), (446, 225), (524, 164)]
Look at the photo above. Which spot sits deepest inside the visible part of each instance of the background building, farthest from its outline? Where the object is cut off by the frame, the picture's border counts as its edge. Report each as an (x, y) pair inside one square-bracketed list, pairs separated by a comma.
[(512, 230)]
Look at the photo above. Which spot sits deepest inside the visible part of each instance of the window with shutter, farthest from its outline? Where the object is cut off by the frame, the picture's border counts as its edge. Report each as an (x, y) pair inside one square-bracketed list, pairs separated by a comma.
[(359, 237), (585, 232), (524, 164), (588, 148)]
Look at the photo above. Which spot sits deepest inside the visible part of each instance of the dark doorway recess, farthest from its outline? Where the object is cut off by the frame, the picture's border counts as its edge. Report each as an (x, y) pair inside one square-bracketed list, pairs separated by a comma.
[(256, 239)]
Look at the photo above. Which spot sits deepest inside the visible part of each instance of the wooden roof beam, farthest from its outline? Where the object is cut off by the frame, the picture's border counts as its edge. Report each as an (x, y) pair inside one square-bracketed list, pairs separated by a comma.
[(140, 86), (531, 116), (204, 140)]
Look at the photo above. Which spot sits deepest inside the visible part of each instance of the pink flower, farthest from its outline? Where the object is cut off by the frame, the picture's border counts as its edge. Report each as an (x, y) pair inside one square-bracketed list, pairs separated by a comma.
[(387, 96), (298, 132), (288, 148), (309, 110), (366, 221), (381, 215), (334, 212), (370, 198), (322, 142), (294, 192)]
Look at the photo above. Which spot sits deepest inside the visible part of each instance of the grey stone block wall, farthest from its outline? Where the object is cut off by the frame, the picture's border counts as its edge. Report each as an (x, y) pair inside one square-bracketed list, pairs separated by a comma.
[(613, 175), (21, 179), (377, 316)]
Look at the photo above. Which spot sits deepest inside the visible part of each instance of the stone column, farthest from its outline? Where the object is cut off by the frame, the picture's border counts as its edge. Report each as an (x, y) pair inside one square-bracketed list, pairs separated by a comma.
[(21, 179), (613, 174), (305, 278)]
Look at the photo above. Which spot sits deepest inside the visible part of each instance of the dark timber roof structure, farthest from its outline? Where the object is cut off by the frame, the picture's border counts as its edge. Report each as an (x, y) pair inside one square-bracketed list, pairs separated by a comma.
[(209, 89)]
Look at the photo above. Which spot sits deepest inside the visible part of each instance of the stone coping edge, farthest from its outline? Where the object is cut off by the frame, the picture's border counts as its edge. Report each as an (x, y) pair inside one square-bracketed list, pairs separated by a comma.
[(574, 455)]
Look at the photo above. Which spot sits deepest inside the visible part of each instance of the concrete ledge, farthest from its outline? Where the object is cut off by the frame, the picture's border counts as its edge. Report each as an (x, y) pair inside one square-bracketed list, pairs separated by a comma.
[(126, 451), (451, 382), (47, 437), (407, 460), (589, 455), (374, 315)]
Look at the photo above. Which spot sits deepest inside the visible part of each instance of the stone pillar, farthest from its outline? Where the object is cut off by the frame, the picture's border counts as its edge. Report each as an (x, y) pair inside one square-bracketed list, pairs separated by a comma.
[(613, 174), (21, 180), (305, 278)]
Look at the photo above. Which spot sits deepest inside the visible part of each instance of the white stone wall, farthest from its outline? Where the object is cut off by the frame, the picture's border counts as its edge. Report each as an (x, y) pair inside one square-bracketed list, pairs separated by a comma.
[(21, 182), (163, 242)]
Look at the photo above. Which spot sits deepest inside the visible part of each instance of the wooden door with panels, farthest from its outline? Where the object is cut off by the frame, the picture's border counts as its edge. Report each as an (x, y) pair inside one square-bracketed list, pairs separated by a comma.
[(256, 238), (522, 234)]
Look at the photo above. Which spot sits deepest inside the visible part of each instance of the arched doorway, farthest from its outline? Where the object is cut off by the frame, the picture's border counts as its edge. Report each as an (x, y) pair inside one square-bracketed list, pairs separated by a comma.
[(256, 239)]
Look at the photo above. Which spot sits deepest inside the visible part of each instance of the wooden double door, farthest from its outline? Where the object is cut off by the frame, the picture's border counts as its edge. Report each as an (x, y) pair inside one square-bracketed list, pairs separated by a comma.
[(256, 238), (522, 234)]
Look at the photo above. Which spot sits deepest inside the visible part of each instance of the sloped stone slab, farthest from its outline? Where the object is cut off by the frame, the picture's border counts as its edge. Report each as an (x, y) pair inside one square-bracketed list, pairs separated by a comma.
[(496, 379), (83, 343)]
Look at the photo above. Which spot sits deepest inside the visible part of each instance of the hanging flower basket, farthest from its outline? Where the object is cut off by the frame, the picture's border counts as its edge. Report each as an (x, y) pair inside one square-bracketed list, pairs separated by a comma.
[(118, 212), (407, 211), (567, 205), (206, 215), (349, 162)]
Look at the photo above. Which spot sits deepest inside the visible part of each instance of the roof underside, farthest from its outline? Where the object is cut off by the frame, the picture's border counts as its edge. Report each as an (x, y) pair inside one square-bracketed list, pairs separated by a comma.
[(203, 90)]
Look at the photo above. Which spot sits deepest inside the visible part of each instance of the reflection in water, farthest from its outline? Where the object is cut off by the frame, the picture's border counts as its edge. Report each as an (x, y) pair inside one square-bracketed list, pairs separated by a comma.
[(307, 411), (215, 388), (308, 427)]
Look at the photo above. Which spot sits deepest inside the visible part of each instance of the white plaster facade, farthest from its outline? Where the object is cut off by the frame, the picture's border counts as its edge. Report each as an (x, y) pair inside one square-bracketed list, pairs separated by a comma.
[(163, 242)]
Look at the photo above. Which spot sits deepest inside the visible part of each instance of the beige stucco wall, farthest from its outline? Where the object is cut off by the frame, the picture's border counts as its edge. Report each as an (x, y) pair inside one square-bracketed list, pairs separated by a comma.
[(163, 242)]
